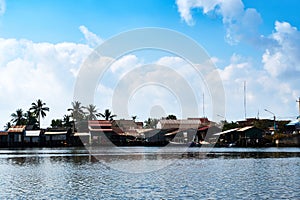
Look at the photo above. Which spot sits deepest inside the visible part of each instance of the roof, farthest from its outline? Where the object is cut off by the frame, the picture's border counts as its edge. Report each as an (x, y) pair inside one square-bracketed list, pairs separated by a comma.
[(228, 131), (245, 128), (3, 133), (33, 133), (182, 121), (99, 123), (293, 123), (203, 128), (17, 129), (82, 134), (55, 132)]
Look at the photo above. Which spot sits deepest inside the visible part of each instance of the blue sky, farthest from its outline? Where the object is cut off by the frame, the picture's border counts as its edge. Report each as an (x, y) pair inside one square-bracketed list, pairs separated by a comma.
[(253, 41)]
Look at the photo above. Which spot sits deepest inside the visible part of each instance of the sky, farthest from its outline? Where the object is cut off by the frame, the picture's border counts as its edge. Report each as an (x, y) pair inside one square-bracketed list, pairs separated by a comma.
[(44, 44)]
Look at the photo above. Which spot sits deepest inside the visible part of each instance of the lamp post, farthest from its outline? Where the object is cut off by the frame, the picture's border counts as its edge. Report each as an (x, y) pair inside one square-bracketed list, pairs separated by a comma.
[(274, 118), (222, 117)]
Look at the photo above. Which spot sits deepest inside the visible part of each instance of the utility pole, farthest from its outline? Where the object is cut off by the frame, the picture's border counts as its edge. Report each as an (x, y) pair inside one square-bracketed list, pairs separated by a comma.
[(298, 104)]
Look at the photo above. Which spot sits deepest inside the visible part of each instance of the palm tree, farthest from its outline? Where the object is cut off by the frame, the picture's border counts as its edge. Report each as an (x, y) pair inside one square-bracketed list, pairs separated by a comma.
[(18, 117), (7, 126), (91, 112), (39, 110), (134, 117), (107, 115), (76, 110), (30, 118), (66, 121)]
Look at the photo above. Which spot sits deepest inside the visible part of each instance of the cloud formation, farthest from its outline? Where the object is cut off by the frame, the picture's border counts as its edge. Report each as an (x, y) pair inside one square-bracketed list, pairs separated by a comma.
[(92, 39), (282, 60), (240, 23), (30, 71)]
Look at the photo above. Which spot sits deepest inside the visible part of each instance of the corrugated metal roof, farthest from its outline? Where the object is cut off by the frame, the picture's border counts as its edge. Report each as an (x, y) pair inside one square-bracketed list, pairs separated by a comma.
[(56, 133), (33, 133), (183, 121), (17, 129), (245, 128), (3, 133), (82, 134), (228, 131)]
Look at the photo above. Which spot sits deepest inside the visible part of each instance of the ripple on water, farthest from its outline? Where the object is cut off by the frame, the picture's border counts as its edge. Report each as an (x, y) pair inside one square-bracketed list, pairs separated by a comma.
[(80, 177)]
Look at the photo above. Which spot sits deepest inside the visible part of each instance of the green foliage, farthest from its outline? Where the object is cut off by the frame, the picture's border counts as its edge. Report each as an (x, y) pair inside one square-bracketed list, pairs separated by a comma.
[(18, 118), (56, 123), (228, 126), (39, 110), (77, 112), (171, 117), (107, 115), (91, 113), (150, 123)]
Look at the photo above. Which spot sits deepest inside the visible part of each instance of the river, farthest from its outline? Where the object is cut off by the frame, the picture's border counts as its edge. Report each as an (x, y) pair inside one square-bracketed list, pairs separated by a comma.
[(150, 173)]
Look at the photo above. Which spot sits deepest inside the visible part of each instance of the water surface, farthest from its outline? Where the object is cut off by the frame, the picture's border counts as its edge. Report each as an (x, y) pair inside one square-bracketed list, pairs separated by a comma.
[(223, 173)]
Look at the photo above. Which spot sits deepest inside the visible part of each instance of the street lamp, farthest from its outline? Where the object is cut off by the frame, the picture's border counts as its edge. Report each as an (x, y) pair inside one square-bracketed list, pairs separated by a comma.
[(222, 117), (274, 118)]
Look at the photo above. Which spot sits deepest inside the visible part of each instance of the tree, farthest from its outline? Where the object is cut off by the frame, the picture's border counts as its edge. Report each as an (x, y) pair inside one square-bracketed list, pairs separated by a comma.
[(134, 117), (150, 123), (30, 118), (7, 126), (107, 115), (56, 123), (66, 122), (76, 111), (228, 126), (171, 117), (39, 109), (18, 117), (91, 112)]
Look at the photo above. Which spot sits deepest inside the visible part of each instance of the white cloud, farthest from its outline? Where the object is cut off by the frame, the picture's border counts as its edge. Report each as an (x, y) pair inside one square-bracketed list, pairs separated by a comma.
[(30, 71), (2, 7), (240, 23), (262, 91), (92, 39), (283, 59)]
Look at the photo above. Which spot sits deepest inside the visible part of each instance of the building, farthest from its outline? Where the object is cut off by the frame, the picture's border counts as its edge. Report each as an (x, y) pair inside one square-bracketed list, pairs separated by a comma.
[(32, 137), (246, 136), (56, 137), (16, 135), (293, 127), (3, 138)]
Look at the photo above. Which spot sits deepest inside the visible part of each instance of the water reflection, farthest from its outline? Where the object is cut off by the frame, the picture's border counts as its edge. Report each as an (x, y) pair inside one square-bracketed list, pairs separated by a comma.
[(221, 174)]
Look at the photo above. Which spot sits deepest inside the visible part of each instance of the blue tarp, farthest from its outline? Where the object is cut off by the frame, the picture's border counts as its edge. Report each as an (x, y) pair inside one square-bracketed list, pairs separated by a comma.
[(293, 123)]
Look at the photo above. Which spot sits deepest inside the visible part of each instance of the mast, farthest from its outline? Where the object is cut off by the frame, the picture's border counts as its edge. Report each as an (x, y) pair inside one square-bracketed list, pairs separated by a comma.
[(298, 104), (245, 109), (203, 105)]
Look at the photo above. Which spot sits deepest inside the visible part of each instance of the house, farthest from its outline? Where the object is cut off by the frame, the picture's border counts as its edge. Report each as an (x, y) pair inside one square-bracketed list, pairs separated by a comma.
[(81, 139), (246, 136), (193, 135), (32, 137), (16, 135), (3, 138), (56, 137), (293, 127), (128, 127)]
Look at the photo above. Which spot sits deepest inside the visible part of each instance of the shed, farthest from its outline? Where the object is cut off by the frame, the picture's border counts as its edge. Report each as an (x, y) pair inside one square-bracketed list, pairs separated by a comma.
[(16, 135), (3, 138), (32, 136)]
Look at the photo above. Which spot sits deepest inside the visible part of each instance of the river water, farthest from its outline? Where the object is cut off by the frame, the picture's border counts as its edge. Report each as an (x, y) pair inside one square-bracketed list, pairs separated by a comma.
[(148, 173)]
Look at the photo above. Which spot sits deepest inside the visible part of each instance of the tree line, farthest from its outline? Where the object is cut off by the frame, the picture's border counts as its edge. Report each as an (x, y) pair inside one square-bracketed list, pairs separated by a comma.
[(39, 110)]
